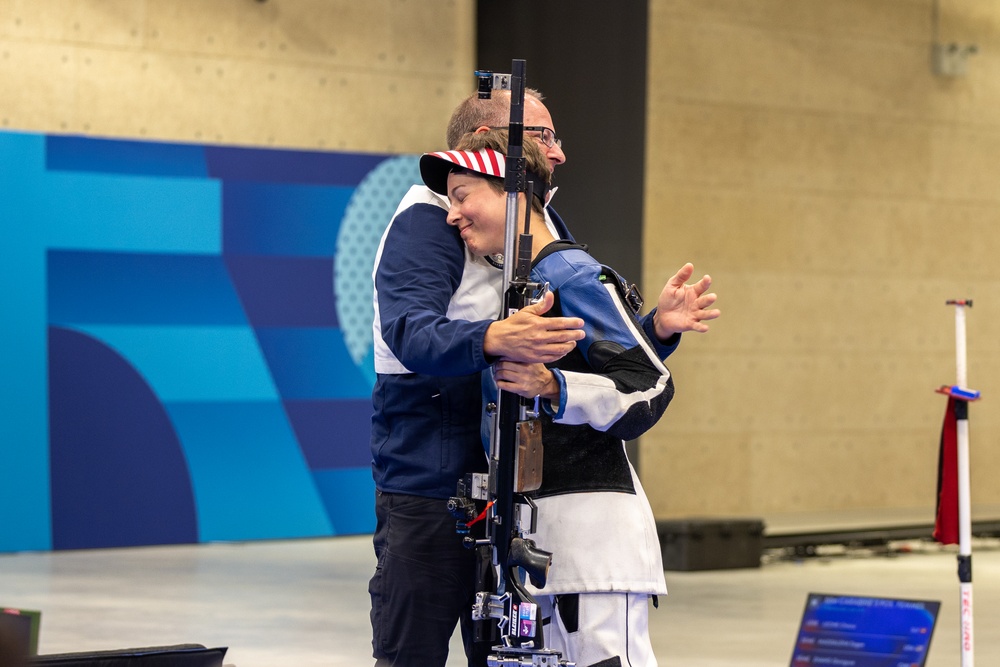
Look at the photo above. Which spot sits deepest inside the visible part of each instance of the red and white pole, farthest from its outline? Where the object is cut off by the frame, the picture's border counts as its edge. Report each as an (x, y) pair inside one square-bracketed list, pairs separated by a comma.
[(964, 485)]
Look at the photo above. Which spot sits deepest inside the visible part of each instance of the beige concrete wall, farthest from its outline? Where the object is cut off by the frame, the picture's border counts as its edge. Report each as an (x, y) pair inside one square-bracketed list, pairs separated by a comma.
[(801, 151), (805, 155), (380, 75)]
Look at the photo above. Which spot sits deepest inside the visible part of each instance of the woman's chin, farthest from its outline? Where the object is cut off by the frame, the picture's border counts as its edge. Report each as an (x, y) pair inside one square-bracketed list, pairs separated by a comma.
[(479, 251)]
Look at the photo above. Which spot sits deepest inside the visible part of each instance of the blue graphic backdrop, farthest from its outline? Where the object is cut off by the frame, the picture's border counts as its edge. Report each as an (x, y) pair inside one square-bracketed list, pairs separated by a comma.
[(186, 348)]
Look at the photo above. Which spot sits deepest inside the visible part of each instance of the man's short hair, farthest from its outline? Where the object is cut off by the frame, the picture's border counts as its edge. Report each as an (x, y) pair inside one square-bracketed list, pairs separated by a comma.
[(474, 113)]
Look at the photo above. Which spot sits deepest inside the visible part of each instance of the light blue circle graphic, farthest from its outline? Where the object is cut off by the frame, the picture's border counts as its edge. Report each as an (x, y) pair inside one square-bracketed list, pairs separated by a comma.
[(368, 214)]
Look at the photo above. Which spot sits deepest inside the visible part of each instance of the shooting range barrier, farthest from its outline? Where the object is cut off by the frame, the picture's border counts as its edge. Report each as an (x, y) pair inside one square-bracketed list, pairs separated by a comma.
[(710, 544), (692, 544)]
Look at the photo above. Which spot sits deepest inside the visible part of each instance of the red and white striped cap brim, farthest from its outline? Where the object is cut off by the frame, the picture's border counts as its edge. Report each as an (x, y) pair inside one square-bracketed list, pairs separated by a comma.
[(435, 167)]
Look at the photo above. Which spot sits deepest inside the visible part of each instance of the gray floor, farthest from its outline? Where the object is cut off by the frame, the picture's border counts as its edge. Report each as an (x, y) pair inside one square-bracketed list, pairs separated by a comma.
[(305, 603)]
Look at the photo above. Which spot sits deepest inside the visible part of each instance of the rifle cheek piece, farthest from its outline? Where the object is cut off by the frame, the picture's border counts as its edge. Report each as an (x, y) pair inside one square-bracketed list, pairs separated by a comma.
[(534, 561)]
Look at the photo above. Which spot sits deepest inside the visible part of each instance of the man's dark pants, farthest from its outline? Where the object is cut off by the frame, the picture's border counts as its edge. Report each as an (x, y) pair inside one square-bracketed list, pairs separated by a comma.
[(423, 584)]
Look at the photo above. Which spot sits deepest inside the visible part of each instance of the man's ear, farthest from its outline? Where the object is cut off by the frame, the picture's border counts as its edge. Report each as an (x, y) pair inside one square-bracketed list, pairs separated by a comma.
[(482, 129)]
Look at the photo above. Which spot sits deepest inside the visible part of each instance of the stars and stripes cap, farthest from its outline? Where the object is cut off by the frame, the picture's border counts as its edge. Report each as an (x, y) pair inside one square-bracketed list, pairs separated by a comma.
[(435, 167)]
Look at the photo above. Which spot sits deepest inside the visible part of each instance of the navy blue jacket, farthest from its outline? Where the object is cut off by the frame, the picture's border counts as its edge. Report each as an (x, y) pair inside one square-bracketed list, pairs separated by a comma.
[(433, 304)]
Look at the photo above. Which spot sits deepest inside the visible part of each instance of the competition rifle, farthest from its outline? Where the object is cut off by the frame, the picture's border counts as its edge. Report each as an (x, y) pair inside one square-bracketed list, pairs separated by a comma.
[(515, 444)]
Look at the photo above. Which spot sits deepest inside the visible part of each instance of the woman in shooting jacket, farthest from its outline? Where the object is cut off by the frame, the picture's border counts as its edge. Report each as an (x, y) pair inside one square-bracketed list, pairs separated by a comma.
[(592, 512)]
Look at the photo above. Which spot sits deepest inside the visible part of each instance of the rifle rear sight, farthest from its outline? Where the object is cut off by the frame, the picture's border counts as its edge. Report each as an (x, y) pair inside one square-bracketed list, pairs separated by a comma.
[(488, 82)]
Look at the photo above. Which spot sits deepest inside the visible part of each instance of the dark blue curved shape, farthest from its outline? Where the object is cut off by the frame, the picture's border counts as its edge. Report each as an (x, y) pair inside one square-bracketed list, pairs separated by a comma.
[(119, 477)]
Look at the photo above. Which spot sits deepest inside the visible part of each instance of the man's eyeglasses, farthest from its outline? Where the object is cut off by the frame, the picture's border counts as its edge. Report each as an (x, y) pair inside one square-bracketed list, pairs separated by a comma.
[(544, 134)]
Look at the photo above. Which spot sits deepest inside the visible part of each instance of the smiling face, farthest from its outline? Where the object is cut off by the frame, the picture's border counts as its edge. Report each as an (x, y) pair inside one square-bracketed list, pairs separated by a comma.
[(478, 211)]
